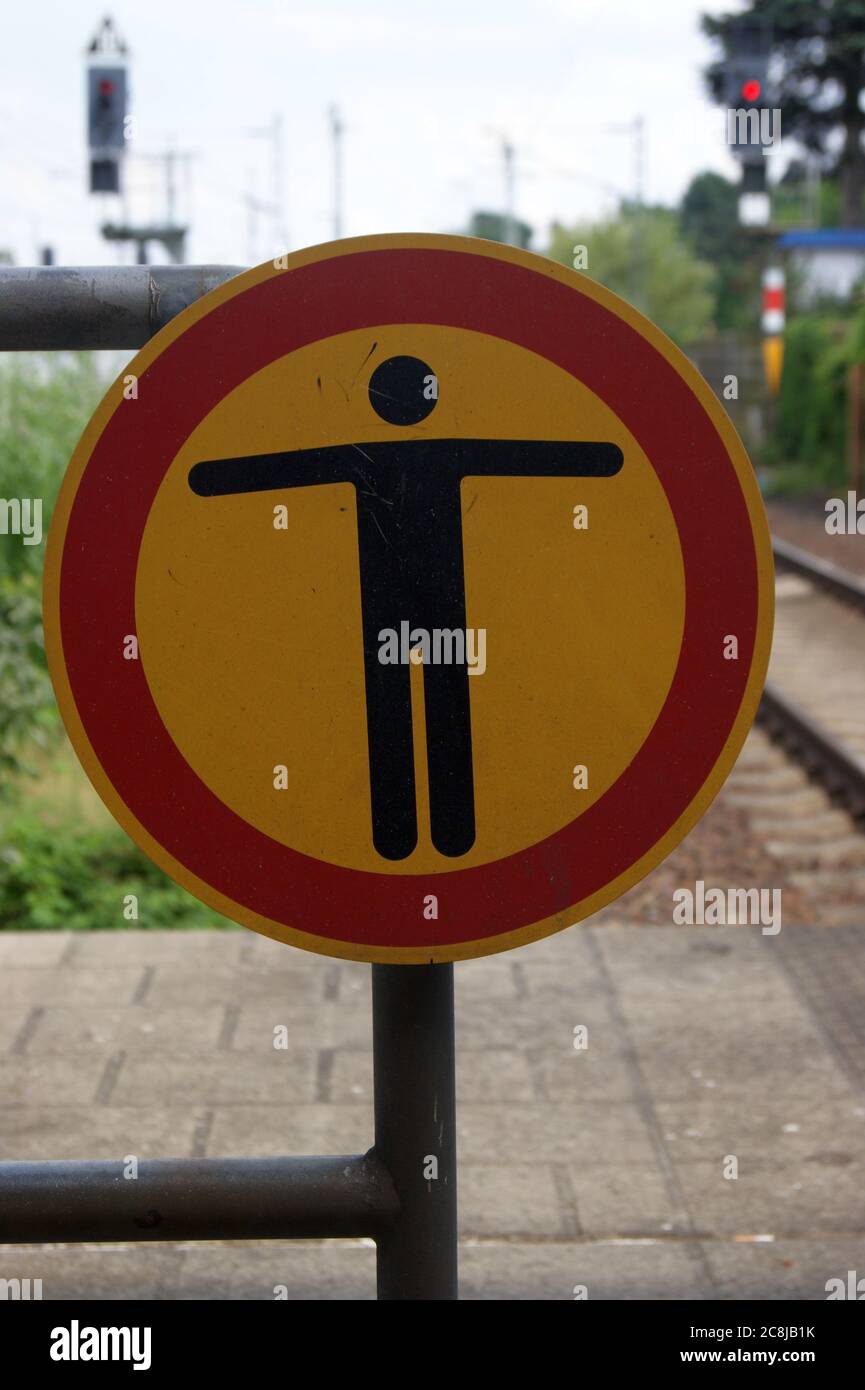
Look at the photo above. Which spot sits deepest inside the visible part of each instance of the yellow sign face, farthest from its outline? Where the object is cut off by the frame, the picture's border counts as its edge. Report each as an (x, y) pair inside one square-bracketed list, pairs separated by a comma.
[(432, 552)]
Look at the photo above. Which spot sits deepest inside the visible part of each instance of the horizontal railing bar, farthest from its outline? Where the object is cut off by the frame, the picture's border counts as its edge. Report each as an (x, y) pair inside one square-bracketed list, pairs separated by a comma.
[(52, 308), (196, 1199)]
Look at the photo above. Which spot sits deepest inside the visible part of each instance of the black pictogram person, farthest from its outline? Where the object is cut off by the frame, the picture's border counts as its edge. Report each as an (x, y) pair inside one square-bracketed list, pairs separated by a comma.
[(409, 528)]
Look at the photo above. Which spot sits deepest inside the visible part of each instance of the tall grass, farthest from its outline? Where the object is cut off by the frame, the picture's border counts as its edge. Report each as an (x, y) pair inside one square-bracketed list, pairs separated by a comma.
[(63, 860)]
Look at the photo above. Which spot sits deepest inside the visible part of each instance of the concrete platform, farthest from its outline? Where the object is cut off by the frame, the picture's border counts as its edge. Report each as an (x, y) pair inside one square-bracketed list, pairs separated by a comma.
[(603, 1168)]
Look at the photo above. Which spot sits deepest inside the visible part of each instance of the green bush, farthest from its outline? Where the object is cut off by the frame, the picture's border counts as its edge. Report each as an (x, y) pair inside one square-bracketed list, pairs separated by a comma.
[(809, 443), (45, 403), (28, 715), (75, 877), (57, 869)]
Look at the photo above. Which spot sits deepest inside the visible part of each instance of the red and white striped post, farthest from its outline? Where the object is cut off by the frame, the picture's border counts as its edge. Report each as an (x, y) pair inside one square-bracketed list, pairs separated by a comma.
[(773, 318)]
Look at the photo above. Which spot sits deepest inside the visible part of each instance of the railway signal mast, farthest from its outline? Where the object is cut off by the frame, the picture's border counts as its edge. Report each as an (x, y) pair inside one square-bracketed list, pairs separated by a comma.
[(107, 91), (109, 130), (752, 124)]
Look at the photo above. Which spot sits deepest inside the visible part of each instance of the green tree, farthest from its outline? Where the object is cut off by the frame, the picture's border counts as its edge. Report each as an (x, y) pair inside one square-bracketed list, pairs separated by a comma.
[(641, 255), (709, 219), (493, 226), (820, 45)]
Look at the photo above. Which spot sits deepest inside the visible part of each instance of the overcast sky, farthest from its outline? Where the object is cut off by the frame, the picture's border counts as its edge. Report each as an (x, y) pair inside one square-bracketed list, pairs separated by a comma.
[(426, 92)]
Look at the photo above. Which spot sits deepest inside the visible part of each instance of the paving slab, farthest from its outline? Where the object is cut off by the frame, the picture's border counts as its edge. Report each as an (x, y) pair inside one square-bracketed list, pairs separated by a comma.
[(604, 1270), (50, 1081), (776, 1052), (273, 1271), (766, 1198), (531, 1193), (141, 1030), (268, 1130), (100, 1272), (794, 1126), (19, 948), (102, 1131), (224, 1079), (83, 986), (273, 989), (782, 1269), (599, 1071), (156, 947), (622, 1200), (480, 1076), (13, 1024)]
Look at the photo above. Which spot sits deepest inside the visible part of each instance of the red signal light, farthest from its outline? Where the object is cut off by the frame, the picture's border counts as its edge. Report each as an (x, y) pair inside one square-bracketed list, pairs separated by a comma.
[(106, 87), (751, 90)]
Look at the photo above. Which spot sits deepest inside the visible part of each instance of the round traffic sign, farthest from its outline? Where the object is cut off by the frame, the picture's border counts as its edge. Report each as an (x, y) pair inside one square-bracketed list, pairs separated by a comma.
[(408, 598)]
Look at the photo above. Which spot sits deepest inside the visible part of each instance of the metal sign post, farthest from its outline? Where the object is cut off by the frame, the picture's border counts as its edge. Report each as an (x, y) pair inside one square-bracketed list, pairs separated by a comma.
[(415, 1127)]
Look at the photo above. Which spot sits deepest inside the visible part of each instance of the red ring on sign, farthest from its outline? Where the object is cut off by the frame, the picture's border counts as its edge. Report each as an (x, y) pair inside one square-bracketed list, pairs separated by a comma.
[(237, 339)]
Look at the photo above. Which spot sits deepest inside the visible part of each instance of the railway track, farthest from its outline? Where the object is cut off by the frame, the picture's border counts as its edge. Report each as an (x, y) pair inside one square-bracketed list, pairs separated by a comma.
[(791, 814), (801, 777), (814, 701)]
